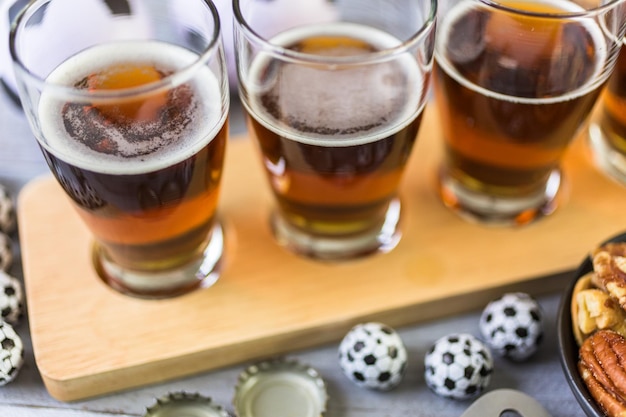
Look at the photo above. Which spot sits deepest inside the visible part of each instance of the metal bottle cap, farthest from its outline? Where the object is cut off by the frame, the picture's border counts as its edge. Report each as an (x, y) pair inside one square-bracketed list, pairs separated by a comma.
[(280, 388), (183, 404)]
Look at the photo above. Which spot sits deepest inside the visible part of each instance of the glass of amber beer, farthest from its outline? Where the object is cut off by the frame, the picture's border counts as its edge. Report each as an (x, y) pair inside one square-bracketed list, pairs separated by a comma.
[(334, 91), (515, 82), (607, 130), (129, 105)]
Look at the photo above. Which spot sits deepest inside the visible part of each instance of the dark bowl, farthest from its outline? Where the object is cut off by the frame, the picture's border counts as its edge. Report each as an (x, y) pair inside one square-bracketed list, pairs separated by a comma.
[(567, 343)]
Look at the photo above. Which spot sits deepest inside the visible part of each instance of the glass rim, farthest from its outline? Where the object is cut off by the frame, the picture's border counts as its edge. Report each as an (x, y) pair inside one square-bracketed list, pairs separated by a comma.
[(179, 76), (363, 59), (584, 12)]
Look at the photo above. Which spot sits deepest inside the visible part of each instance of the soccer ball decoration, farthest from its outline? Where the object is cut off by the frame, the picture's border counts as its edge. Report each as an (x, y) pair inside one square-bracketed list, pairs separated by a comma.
[(6, 252), (11, 353), (372, 355), (512, 326), (7, 211), (11, 298), (458, 366)]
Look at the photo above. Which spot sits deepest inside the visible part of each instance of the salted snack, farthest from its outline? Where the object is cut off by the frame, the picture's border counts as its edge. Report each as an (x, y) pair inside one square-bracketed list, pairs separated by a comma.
[(599, 297), (458, 366), (594, 309), (598, 311), (602, 366), (609, 265), (7, 211), (11, 353), (512, 326), (11, 298), (6, 252), (372, 355)]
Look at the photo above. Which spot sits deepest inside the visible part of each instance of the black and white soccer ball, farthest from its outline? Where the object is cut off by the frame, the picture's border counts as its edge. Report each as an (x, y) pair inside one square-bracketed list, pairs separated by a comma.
[(11, 298), (512, 326), (7, 211), (458, 366), (6, 252), (11, 353), (372, 355)]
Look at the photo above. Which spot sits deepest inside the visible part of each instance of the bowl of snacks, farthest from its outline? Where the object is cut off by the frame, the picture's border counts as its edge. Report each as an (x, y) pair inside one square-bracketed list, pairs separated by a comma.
[(592, 330)]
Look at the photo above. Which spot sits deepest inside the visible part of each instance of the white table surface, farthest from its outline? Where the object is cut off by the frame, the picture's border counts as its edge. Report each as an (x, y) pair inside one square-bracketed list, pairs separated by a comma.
[(541, 376)]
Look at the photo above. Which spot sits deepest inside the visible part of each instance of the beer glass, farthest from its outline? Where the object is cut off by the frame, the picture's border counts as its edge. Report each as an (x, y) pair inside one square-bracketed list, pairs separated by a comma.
[(514, 83), (607, 131), (334, 93), (129, 105)]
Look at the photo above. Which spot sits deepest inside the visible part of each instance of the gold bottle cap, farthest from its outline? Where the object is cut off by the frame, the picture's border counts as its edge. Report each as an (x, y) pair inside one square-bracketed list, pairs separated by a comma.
[(183, 404), (280, 388)]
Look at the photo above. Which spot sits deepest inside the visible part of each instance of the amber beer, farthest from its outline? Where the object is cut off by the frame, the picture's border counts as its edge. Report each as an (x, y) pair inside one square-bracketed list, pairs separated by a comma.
[(334, 159), (608, 131), (144, 172), (510, 106)]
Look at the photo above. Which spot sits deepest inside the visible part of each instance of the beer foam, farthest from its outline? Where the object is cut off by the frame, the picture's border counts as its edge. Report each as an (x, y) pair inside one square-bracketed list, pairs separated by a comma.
[(165, 147), (464, 7), (342, 106)]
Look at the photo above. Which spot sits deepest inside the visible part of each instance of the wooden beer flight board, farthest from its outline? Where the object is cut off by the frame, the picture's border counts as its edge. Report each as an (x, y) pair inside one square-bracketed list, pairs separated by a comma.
[(89, 340)]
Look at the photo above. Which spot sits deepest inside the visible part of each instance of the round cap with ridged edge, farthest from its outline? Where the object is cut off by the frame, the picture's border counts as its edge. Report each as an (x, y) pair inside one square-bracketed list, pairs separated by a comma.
[(183, 404), (280, 388)]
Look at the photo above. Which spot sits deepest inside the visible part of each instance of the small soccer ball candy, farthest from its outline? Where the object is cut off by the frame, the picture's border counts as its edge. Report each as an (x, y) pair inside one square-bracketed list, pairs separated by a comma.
[(7, 211), (458, 366), (512, 326), (372, 355), (11, 353), (11, 298), (6, 252)]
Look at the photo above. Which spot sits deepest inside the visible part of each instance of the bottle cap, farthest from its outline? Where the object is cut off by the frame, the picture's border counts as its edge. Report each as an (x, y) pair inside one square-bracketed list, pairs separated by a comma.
[(280, 388), (177, 404)]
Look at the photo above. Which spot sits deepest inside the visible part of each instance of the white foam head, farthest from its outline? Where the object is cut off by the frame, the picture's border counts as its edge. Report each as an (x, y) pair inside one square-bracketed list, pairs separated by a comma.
[(181, 143), (341, 105)]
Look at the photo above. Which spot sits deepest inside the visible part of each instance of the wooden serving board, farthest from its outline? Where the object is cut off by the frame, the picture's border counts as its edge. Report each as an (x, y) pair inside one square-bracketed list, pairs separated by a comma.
[(89, 340)]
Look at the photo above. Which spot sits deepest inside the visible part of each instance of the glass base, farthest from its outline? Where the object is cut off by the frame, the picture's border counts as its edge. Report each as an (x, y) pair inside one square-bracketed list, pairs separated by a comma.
[(340, 247), (608, 159), (201, 272), (496, 210)]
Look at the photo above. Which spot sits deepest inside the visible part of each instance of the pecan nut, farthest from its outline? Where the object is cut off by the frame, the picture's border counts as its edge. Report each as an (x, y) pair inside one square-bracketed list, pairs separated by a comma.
[(602, 365)]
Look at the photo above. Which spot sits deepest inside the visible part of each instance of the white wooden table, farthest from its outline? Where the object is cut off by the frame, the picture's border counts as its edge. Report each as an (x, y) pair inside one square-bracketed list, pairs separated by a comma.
[(540, 377)]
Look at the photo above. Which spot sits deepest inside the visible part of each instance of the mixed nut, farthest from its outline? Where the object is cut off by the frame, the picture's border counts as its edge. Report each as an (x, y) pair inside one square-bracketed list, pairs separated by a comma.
[(599, 323)]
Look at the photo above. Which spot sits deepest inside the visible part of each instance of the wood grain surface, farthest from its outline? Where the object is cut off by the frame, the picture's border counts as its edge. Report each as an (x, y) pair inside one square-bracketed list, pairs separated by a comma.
[(89, 340)]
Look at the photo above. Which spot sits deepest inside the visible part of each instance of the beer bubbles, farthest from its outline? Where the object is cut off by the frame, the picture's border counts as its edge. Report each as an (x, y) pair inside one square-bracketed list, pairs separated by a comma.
[(133, 125), (342, 125), (513, 87)]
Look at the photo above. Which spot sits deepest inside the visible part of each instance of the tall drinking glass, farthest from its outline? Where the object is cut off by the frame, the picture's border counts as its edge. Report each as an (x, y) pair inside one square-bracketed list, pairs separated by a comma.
[(334, 91), (607, 131), (515, 82), (129, 106)]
